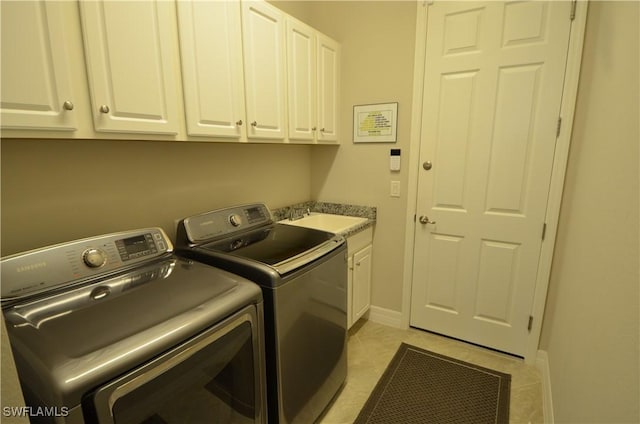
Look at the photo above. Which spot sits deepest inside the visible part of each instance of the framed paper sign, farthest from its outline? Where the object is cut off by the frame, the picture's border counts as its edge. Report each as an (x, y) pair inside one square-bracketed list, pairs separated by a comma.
[(375, 123)]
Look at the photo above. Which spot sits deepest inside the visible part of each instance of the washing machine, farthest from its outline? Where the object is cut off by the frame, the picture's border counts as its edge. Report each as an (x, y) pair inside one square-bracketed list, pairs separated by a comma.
[(117, 329), (303, 276)]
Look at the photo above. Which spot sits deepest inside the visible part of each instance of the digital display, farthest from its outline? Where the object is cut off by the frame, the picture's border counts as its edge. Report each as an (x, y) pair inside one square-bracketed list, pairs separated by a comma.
[(254, 214), (136, 244)]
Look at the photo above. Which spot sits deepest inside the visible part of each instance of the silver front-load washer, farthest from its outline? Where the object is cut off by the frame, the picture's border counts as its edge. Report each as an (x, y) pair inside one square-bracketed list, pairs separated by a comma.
[(115, 328)]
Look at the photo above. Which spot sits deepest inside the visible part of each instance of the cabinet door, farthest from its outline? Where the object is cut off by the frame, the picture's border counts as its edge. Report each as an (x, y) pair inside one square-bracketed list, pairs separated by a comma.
[(212, 75), (264, 65), (350, 292), (301, 80), (361, 282), (328, 88), (130, 49), (36, 85)]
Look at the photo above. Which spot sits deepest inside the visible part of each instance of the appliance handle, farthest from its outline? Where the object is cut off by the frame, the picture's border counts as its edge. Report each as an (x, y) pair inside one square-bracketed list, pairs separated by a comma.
[(108, 395), (310, 255)]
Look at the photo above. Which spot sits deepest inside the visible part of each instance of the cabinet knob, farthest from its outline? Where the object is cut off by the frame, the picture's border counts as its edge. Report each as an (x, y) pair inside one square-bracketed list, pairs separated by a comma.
[(321, 129), (104, 109), (314, 128), (239, 123), (67, 105), (254, 124)]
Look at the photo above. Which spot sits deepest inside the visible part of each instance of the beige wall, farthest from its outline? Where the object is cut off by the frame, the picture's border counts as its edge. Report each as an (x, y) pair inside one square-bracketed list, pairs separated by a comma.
[(378, 40), (592, 321), (56, 190)]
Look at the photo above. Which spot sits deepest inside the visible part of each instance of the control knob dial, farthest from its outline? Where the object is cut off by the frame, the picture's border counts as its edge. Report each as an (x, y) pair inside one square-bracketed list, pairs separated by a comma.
[(94, 258), (235, 220)]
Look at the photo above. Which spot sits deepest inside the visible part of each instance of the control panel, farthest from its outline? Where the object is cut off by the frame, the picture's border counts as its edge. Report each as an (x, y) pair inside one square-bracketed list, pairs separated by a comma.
[(223, 222), (42, 269)]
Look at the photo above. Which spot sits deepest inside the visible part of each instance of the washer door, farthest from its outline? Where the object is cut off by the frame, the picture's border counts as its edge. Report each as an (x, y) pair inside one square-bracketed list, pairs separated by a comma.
[(215, 377)]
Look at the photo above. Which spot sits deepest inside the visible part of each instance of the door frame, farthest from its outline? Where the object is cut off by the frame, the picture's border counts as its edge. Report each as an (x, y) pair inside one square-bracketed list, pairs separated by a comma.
[(567, 111)]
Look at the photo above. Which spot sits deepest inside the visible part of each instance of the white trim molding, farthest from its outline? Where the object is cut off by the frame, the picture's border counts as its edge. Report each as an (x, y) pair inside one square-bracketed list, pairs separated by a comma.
[(542, 363), (386, 317), (414, 158), (556, 187)]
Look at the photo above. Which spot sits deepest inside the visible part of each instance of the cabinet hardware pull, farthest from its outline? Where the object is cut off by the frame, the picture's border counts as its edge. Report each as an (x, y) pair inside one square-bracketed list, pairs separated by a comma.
[(254, 124), (104, 109), (239, 123), (67, 105), (321, 129), (314, 128)]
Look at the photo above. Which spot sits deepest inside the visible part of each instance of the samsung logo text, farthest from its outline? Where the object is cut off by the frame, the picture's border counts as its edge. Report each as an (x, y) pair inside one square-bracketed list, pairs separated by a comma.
[(31, 267)]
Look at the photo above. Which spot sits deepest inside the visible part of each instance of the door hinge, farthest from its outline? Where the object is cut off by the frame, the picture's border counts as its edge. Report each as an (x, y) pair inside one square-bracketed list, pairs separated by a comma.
[(530, 325), (574, 4), (544, 230), (558, 127)]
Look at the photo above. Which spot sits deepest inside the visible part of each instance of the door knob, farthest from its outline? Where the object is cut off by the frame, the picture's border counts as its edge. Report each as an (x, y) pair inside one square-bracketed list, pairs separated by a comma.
[(425, 220)]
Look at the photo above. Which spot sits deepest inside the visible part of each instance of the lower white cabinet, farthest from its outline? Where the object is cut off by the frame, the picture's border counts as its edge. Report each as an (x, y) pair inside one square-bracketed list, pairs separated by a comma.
[(359, 274)]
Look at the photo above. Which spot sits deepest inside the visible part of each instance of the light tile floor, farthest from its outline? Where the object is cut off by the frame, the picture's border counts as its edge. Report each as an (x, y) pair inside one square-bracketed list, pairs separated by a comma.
[(371, 347)]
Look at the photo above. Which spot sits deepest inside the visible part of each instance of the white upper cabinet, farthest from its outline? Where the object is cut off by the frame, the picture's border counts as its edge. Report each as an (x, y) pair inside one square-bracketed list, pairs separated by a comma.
[(313, 72), (301, 79), (109, 69), (212, 71), (328, 89), (263, 33), (130, 48), (36, 83)]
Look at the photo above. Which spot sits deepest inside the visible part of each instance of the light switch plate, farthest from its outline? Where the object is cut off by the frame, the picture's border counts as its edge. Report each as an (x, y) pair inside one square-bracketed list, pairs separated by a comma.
[(395, 188)]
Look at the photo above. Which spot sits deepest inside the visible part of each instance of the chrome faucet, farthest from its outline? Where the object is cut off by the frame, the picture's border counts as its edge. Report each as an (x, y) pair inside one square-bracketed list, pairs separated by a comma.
[(298, 213)]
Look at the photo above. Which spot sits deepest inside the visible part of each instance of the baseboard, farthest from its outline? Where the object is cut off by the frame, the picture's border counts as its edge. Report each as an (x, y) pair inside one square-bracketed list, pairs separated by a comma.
[(542, 363), (385, 316)]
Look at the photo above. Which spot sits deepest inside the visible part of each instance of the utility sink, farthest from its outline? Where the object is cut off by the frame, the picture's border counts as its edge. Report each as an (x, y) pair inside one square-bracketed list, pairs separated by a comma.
[(327, 222)]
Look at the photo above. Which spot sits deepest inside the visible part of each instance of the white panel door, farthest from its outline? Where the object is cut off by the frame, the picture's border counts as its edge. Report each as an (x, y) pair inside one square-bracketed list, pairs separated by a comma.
[(492, 91), (212, 75), (130, 49), (328, 88), (264, 65), (36, 85), (301, 80)]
